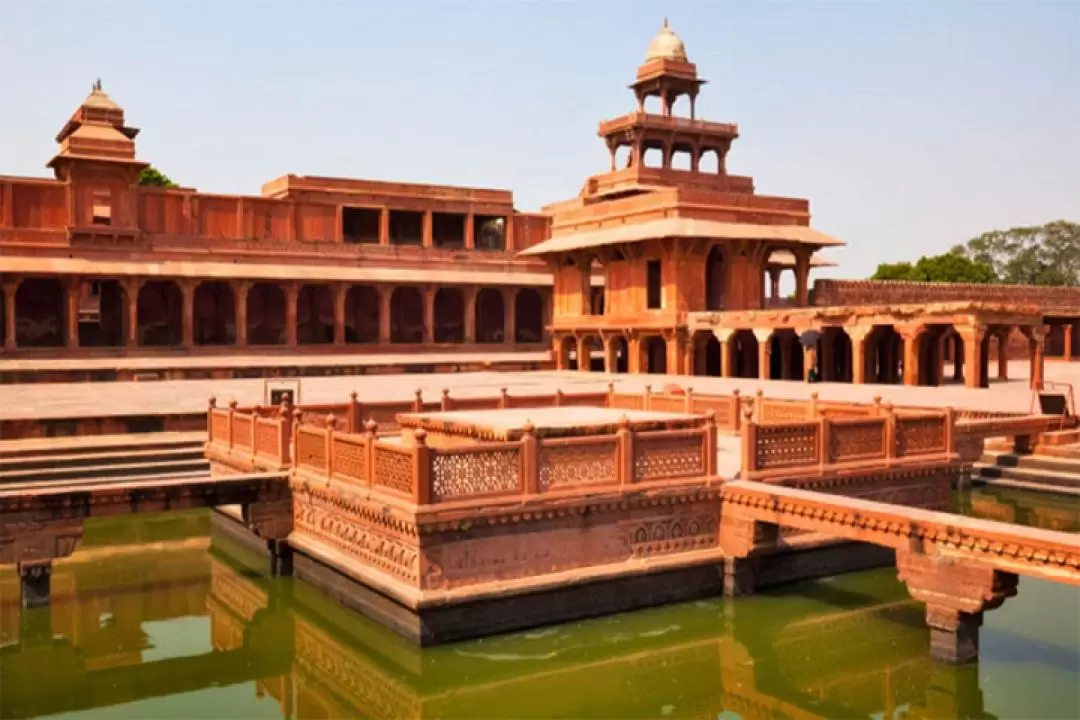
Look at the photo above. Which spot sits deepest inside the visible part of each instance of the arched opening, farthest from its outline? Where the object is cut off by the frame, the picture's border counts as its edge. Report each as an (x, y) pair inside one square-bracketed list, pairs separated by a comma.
[(594, 353), (406, 316), (652, 104), (714, 279), (215, 314), (785, 355), (653, 157), (529, 314), (621, 349), (362, 314), (161, 314), (449, 316), (834, 355), (102, 314), (931, 352), (708, 355), (315, 315), (682, 158), (709, 161), (884, 355), (623, 156), (266, 315), (654, 355), (40, 317), (745, 354), (489, 316)]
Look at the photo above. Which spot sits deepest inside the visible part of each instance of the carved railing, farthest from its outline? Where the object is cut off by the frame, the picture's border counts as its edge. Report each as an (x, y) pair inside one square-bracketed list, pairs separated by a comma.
[(783, 450), (256, 439)]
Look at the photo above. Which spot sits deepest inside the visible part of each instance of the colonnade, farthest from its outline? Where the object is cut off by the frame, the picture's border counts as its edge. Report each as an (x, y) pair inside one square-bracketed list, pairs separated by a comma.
[(909, 354), (136, 312)]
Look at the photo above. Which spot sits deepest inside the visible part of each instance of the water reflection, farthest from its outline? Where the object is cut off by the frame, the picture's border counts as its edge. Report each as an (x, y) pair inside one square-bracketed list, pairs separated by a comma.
[(185, 627)]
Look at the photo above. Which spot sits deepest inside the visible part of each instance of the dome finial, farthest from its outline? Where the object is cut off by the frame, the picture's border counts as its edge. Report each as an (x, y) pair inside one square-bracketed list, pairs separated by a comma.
[(665, 22)]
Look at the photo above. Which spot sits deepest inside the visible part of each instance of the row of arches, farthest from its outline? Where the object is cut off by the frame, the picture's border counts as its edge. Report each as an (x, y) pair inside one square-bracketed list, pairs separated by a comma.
[(919, 355), (43, 312)]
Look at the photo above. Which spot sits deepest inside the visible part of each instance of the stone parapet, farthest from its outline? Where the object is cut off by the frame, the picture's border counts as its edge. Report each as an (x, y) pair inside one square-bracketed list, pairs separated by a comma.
[(1049, 300)]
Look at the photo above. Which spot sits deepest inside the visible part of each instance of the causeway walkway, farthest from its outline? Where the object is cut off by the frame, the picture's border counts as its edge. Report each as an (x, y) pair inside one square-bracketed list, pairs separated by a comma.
[(68, 400)]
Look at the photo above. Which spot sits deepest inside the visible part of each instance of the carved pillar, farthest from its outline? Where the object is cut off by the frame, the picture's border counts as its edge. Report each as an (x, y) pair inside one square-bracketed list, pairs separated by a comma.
[(973, 369), (11, 288), (428, 294), (633, 347), (72, 293), (509, 314), (802, 278), (958, 365), (584, 359), (470, 294), (956, 595), (774, 284), (384, 226), (1037, 353), (675, 347), (764, 343), (1068, 350), (187, 292), (858, 335), (292, 297), (738, 538), (939, 367), (912, 337), (385, 292), (809, 360), (1003, 353), (561, 348), (727, 351), (426, 234), (131, 298), (240, 292), (611, 359), (470, 241), (339, 292)]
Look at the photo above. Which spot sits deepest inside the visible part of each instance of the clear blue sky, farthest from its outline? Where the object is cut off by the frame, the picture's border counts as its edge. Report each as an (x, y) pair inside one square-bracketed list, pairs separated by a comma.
[(909, 126)]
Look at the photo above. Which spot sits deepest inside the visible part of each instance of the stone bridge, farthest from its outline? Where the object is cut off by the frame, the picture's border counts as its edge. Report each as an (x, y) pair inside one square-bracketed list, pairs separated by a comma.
[(41, 523), (958, 566)]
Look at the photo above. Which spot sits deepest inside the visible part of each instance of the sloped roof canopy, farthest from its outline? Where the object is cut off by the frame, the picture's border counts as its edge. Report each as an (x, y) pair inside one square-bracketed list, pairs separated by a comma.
[(681, 227)]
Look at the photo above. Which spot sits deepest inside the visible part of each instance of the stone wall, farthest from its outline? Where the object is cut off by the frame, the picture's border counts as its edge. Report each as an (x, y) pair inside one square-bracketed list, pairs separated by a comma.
[(1050, 300)]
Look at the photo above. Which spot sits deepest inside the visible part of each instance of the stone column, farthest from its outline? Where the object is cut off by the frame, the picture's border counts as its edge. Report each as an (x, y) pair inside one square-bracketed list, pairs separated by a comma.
[(240, 292), (611, 359), (470, 294), (560, 346), (339, 292), (826, 361), (385, 292), (858, 335), (973, 371), (1003, 354), (727, 350), (584, 359), (509, 315), (131, 297), (73, 292), (470, 241), (428, 294), (912, 336), (292, 297), (1037, 349), (1068, 349), (384, 226), (958, 365), (939, 368), (187, 291), (809, 358), (774, 284), (11, 288), (426, 231), (802, 278), (633, 349), (764, 343)]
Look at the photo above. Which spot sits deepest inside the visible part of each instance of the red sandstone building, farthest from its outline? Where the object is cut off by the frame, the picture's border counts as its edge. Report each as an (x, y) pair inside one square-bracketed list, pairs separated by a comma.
[(666, 263)]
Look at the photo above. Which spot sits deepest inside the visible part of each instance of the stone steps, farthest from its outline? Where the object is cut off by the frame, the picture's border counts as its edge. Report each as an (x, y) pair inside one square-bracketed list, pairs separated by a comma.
[(1032, 472), (120, 458), (119, 481)]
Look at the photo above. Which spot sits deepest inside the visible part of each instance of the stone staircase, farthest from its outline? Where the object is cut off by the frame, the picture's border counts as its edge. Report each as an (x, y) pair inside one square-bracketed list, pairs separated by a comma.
[(1057, 471), (111, 458)]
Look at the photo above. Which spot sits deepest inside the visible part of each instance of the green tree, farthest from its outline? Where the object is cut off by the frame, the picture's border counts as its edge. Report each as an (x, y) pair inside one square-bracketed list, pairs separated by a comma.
[(1038, 255), (950, 267), (152, 177)]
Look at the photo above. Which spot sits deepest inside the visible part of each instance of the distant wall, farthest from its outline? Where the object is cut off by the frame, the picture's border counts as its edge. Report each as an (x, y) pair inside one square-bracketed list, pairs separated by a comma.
[(1050, 300)]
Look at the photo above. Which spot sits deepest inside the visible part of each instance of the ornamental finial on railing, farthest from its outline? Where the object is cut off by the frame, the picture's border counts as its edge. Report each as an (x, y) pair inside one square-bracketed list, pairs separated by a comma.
[(213, 402)]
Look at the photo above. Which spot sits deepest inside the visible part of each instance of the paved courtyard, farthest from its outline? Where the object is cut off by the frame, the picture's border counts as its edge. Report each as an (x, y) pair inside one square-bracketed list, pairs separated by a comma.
[(58, 400)]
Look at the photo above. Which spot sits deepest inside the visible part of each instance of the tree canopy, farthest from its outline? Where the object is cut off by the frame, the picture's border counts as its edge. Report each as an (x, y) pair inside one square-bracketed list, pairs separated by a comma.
[(152, 177), (949, 267), (1041, 255)]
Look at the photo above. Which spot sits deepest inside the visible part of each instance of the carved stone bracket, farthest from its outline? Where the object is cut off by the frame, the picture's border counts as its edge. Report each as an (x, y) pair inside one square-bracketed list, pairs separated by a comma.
[(956, 595)]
